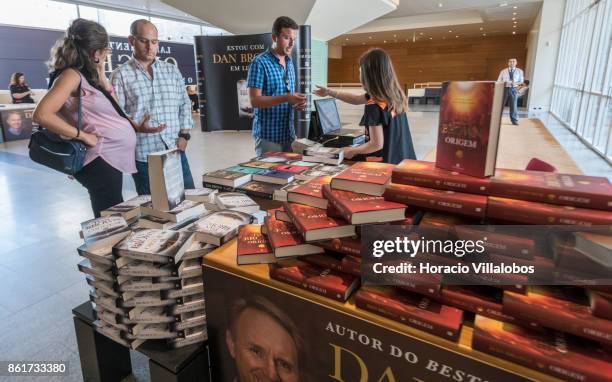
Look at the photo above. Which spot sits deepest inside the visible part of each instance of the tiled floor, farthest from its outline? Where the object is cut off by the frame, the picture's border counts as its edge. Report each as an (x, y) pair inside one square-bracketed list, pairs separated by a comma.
[(40, 212)]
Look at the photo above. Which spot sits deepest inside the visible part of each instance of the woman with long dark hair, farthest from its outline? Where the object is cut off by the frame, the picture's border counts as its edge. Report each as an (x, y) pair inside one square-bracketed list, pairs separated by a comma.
[(77, 65), (385, 112), (20, 91)]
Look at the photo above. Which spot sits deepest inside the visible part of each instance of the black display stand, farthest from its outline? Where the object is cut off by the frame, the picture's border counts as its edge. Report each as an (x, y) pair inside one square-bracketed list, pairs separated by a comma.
[(104, 360)]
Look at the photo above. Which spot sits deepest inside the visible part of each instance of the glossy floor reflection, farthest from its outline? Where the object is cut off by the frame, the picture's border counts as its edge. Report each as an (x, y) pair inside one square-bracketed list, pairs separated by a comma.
[(40, 213)]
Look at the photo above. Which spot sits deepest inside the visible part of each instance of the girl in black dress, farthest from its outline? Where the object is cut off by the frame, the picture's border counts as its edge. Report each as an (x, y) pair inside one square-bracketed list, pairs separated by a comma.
[(385, 112)]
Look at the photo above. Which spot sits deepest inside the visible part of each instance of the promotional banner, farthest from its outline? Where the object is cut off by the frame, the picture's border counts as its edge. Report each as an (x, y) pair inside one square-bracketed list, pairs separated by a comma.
[(223, 65), (303, 81), (27, 50), (260, 333)]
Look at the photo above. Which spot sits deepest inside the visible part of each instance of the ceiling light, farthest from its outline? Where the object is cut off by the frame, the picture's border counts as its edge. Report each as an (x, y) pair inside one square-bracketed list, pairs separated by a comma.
[(514, 26), (481, 28), (514, 18), (370, 37), (450, 31), (513, 32), (421, 33), (513, 13), (504, 4), (347, 39), (457, 36), (440, 5), (484, 34), (431, 38), (385, 41), (515, 7)]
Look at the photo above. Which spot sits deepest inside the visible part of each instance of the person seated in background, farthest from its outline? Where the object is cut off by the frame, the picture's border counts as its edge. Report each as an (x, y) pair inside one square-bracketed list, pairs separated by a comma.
[(384, 116), (193, 96), (522, 88), (20, 91)]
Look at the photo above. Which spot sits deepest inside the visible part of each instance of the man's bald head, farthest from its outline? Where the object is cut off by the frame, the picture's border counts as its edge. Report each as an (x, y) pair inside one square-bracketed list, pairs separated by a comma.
[(140, 23)]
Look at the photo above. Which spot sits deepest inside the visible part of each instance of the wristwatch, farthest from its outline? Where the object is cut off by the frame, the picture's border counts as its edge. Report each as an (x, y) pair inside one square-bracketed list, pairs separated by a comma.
[(185, 136)]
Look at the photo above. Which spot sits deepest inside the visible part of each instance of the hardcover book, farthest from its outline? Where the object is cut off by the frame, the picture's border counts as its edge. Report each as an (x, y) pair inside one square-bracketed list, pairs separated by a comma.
[(561, 308), (104, 232), (283, 154), (322, 170), (596, 246), (516, 244), (253, 246), (426, 174), (346, 245), (525, 212), (166, 179), (411, 309), (259, 189), (185, 210), (336, 261), (201, 195), (226, 178), (243, 169), (259, 164), (319, 280), (468, 131), (292, 168), (236, 201), (310, 193), (219, 227), (286, 240), (601, 304), (548, 187), (274, 176), (321, 154), (362, 208), (364, 177), (157, 246), (128, 209), (551, 352), (446, 201), (314, 224), (281, 193)]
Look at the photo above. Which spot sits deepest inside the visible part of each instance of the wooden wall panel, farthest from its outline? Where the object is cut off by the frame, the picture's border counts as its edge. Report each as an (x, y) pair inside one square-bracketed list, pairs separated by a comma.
[(450, 59)]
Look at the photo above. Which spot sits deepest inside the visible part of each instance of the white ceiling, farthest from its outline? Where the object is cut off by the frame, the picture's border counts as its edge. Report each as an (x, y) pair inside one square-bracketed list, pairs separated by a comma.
[(415, 20)]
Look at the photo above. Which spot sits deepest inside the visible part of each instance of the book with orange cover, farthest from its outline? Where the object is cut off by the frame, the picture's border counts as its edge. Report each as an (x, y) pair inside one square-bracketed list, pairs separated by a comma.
[(286, 239), (253, 246), (310, 193), (364, 177), (362, 208), (314, 224)]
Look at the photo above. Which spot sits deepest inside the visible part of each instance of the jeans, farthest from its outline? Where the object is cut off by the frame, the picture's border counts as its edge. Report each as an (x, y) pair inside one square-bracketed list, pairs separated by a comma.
[(141, 178), (104, 184), (512, 94), (264, 146)]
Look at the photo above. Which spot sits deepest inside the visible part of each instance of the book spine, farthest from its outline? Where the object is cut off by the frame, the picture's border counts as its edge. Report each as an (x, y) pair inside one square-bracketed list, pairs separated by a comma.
[(256, 194), (536, 360), (324, 262), (300, 227), (352, 247), (364, 302), (593, 328), (335, 205), (563, 197), (475, 305), (219, 187), (448, 203), (600, 306), (279, 275), (403, 176)]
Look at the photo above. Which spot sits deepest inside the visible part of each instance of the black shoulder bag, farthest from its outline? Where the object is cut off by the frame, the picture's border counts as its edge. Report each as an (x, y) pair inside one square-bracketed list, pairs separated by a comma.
[(51, 150)]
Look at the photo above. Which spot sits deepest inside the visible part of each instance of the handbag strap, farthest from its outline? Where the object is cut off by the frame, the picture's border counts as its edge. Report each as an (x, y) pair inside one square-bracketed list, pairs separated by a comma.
[(79, 109)]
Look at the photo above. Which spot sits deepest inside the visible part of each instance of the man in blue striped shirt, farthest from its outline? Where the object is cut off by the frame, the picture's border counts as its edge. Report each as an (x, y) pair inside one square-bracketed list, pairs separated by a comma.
[(271, 83)]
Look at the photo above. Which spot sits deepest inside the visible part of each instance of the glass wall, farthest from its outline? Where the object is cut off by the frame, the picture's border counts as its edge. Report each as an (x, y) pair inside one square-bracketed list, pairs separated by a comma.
[(582, 94), (58, 15)]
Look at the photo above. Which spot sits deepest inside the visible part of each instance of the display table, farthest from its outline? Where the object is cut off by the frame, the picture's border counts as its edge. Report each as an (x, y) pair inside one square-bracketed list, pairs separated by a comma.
[(335, 341), (103, 359)]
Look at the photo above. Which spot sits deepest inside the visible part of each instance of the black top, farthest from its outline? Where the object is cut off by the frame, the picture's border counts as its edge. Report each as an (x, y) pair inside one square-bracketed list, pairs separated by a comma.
[(21, 89), (398, 141)]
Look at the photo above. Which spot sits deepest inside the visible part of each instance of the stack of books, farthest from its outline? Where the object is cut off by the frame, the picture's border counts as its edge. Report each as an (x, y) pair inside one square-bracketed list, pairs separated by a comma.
[(270, 176)]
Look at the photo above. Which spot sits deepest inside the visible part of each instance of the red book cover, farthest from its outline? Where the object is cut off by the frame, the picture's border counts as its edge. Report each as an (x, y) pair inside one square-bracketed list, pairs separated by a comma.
[(411, 309), (437, 225), (561, 308), (423, 283), (307, 219), (548, 187), (349, 203), (554, 353), (291, 168), (446, 201), (514, 245), (320, 280), (312, 187), (345, 245), (336, 261), (601, 305), (479, 299), (283, 154), (426, 174), (282, 234), (368, 172), (252, 244), (522, 211), (468, 131)]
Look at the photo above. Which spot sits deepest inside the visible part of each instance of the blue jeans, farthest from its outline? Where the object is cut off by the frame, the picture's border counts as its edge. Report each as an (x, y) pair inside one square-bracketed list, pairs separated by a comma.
[(141, 178), (512, 94), (264, 146)]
